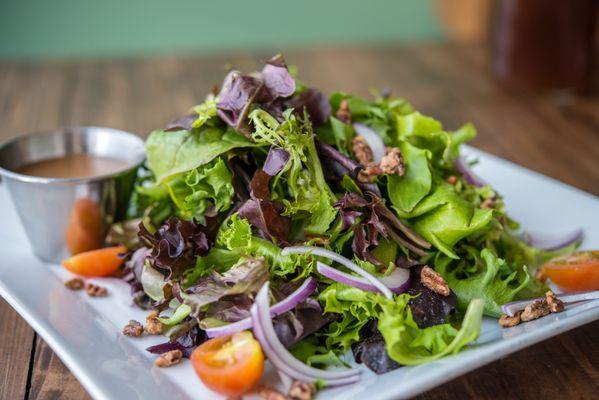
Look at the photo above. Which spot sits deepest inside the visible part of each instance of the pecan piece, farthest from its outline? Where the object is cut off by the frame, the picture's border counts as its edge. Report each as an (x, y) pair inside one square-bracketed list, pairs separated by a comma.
[(362, 150), (536, 309), (434, 281), (555, 305), (369, 173), (507, 322), (153, 325), (268, 393), (301, 391), (74, 284), (343, 114), (94, 290), (392, 162), (169, 358), (133, 329)]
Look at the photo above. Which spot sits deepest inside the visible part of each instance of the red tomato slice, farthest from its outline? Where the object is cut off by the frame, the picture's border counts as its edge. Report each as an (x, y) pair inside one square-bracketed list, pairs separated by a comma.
[(230, 365), (575, 272)]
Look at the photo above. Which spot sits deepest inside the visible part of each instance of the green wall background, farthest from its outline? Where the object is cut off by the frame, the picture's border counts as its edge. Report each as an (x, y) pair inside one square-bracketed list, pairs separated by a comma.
[(86, 28)]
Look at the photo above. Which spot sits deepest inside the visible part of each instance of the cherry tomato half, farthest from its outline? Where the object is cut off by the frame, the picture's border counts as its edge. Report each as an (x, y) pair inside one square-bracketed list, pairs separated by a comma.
[(575, 272), (101, 262), (230, 365)]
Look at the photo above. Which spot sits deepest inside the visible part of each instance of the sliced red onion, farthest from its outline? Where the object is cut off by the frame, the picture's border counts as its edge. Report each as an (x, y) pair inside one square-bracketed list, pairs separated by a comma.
[(319, 251), (553, 242), (515, 306), (299, 295), (462, 166), (398, 281), (373, 139), (282, 358)]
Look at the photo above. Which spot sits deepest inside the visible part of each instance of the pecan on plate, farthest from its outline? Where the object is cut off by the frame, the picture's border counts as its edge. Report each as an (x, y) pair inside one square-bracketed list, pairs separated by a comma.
[(507, 322), (74, 284), (555, 304), (434, 281), (153, 325), (169, 358), (133, 329), (94, 290), (301, 391), (536, 309), (268, 393)]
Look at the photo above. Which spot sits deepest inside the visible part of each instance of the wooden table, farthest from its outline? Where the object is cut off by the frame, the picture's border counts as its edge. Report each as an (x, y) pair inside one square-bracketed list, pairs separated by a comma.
[(556, 136)]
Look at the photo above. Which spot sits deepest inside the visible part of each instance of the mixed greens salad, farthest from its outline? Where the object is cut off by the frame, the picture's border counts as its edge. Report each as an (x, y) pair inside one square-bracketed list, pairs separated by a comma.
[(323, 224)]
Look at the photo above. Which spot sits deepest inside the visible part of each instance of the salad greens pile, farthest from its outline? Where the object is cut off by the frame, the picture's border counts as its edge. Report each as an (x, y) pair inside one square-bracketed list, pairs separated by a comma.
[(270, 162)]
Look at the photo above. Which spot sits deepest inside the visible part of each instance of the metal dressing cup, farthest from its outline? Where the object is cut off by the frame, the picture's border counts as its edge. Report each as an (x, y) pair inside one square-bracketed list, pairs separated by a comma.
[(62, 216)]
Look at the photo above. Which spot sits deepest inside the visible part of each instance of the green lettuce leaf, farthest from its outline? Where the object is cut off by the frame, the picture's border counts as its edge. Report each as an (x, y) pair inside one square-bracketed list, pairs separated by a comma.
[(405, 342), (443, 218), (407, 190), (484, 276), (171, 153), (194, 191)]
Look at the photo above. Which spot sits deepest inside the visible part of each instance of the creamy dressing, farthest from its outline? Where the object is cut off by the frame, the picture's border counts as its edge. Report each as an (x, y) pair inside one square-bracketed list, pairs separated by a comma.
[(73, 166)]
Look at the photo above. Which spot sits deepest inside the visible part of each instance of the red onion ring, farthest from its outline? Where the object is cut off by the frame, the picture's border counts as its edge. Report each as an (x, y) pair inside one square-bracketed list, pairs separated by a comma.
[(553, 242), (300, 294), (282, 358), (398, 281)]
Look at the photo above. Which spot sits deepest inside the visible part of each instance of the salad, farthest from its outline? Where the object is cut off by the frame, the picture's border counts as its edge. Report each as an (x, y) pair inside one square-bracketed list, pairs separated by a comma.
[(323, 233)]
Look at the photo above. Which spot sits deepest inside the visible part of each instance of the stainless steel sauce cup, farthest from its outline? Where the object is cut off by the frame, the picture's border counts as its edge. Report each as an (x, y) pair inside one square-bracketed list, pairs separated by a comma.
[(61, 213)]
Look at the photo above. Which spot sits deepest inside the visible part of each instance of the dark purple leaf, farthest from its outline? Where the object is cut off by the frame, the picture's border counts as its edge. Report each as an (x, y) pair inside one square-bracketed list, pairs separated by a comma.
[(259, 186), (177, 243), (277, 79), (189, 337), (304, 320), (315, 103), (275, 160), (371, 351), (266, 216), (236, 97), (429, 308), (243, 169), (183, 123)]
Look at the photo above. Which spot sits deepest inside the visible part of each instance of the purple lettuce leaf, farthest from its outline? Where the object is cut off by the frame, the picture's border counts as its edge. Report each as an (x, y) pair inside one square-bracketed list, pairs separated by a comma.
[(266, 216), (276, 159), (259, 186), (177, 243), (314, 103), (371, 351), (429, 308), (183, 123), (277, 78), (189, 336)]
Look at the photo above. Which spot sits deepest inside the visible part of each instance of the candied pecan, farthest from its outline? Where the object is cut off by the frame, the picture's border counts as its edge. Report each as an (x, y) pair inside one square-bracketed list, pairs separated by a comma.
[(434, 281), (487, 204), (555, 304), (74, 284), (362, 150), (343, 114), (94, 290), (169, 358), (369, 173), (536, 309), (301, 391), (392, 162), (268, 393), (452, 179), (153, 325), (507, 322), (133, 329)]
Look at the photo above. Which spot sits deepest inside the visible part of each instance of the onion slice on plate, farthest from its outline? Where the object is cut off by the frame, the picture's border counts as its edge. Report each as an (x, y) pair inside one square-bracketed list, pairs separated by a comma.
[(319, 251), (374, 140), (300, 294), (553, 242), (398, 281), (282, 359), (513, 307)]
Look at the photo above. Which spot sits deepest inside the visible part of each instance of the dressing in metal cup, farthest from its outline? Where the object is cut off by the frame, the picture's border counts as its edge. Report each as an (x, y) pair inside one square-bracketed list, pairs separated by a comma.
[(58, 212)]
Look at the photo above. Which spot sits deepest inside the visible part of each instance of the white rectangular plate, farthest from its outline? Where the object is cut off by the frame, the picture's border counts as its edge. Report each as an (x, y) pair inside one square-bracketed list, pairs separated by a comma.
[(85, 332)]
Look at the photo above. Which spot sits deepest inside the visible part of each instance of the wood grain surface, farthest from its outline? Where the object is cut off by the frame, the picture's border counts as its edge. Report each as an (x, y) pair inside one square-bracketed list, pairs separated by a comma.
[(556, 135)]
